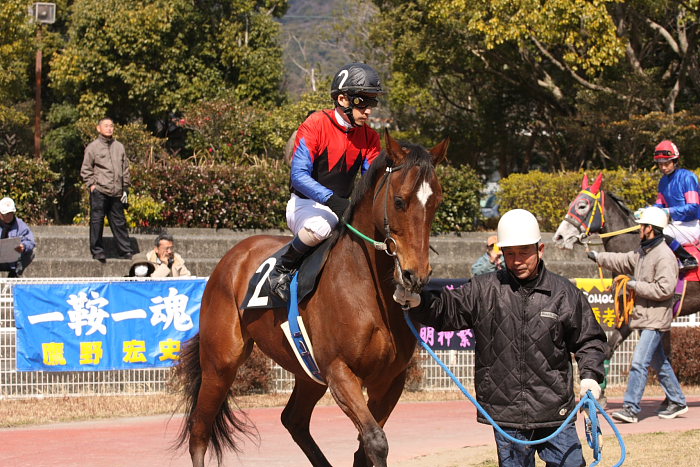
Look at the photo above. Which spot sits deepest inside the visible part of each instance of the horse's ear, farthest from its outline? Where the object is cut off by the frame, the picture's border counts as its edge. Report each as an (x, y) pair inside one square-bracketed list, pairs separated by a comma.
[(584, 183), (439, 152), (595, 188), (393, 149)]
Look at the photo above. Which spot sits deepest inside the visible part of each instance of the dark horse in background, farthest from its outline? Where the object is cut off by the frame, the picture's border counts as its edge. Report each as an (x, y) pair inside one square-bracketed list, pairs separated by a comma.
[(595, 211), (360, 339)]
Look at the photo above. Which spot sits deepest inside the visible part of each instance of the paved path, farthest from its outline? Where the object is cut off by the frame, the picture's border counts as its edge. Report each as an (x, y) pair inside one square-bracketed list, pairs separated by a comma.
[(415, 429)]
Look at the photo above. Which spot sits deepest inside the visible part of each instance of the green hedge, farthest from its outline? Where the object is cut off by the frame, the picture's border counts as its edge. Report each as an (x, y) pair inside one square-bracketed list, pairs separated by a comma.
[(548, 195), (176, 193), (32, 185)]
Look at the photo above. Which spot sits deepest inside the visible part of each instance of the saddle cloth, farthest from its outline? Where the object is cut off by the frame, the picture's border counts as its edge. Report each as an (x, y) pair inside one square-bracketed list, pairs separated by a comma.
[(259, 294)]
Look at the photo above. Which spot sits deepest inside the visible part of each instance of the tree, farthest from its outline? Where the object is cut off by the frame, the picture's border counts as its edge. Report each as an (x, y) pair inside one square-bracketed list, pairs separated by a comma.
[(138, 59), (552, 84)]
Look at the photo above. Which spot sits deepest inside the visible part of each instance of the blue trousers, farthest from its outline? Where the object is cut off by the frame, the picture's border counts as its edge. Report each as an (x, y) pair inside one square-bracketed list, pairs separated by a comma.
[(564, 450), (650, 352)]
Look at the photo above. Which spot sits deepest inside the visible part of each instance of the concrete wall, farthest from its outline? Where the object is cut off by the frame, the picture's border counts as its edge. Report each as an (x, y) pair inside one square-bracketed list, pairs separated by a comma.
[(63, 251)]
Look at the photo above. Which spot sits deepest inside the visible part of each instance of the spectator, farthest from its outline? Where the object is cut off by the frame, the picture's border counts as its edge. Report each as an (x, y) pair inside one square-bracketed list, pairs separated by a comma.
[(105, 171), (141, 267), (491, 260), (12, 226), (655, 272), (527, 322), (167, 263)]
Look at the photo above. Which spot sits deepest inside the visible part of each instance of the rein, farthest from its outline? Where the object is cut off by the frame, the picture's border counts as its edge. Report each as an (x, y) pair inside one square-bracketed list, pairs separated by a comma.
[(388, 239)]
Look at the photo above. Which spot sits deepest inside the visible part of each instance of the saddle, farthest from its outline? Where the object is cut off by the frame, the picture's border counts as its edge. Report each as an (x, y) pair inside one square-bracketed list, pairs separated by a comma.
[(259, 294)]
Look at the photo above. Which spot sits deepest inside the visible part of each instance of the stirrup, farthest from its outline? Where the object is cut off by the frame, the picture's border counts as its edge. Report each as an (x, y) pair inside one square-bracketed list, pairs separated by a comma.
[(688, 264)]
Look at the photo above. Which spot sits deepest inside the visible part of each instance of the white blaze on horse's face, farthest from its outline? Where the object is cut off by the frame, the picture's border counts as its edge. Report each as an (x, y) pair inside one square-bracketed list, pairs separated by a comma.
[(424, 193)]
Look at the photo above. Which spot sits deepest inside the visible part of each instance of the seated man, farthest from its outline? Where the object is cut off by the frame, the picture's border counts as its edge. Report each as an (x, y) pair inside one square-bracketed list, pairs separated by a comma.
[(167, 262), (12, 226)]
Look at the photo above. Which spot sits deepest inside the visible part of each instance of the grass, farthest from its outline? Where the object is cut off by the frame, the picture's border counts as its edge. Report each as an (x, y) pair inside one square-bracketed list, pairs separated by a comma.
[(643, 450)]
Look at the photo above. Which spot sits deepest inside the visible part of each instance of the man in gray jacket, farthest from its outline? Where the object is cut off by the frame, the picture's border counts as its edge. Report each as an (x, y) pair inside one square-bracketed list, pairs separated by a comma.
[(105, 171), (527, 322), (654, 269)]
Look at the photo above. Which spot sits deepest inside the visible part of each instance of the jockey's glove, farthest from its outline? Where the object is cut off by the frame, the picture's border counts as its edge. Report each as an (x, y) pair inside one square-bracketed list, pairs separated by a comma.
[(404, 297), (125, 197), (638, 213), (592, 385), (593, 256), (338, 205), (631, 284)]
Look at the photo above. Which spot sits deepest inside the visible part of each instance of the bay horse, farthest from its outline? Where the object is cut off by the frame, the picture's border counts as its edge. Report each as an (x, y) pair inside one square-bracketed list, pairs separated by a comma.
[(595, 211), (360, 338)]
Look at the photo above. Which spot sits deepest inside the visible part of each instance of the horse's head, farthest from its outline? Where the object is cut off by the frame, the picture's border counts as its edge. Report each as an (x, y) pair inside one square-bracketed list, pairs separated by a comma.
[(586, 215), (405, 193)]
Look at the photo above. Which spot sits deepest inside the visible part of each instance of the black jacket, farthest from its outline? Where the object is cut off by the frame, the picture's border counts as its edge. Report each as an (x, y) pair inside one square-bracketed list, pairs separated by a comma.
[(524, 340)]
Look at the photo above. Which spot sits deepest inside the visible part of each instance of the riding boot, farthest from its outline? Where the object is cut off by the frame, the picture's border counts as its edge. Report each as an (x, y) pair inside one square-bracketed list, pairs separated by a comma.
[(687, 260), (281, 275)]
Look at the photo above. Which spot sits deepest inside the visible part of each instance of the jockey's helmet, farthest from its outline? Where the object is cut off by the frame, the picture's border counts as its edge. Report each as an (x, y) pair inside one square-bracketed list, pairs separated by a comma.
[(356, 79), (518, 227), (666, 150)]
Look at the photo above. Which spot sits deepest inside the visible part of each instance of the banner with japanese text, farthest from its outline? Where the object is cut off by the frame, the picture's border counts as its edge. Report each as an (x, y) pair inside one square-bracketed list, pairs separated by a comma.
[(105, 325), (599, 295)]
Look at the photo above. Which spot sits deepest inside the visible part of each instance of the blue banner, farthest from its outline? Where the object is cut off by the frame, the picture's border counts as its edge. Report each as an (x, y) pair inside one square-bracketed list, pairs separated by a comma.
[(105, 325)]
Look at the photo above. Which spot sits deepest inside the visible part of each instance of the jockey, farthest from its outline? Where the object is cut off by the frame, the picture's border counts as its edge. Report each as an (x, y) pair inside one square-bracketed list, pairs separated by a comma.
[(679, 197), (331, 147)]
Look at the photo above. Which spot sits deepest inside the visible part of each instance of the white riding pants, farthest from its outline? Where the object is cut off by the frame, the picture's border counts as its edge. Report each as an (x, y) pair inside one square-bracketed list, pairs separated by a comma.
[(684, 232), (317, 219)]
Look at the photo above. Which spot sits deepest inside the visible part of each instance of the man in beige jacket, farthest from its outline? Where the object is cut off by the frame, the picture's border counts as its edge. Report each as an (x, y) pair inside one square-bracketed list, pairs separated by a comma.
[(655, 272), (167, 263), (105, 171)]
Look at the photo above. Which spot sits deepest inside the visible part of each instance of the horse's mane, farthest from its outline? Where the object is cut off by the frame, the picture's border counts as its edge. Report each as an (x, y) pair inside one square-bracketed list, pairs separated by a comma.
[(626, 210), (417, 156)]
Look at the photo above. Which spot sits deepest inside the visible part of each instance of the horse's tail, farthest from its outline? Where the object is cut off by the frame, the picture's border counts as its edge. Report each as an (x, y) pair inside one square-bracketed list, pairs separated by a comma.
[(228, 428)]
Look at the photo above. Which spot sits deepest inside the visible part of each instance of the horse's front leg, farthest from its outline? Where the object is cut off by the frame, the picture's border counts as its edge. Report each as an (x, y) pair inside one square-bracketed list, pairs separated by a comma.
[(346, 389), (382, 399)]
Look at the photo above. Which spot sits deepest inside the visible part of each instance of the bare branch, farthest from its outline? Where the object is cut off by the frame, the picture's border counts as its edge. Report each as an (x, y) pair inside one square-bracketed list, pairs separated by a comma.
[(665, 34)]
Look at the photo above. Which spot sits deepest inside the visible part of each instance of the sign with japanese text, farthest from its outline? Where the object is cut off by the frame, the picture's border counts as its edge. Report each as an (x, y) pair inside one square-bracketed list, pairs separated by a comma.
[(105, 325), (600, 297)]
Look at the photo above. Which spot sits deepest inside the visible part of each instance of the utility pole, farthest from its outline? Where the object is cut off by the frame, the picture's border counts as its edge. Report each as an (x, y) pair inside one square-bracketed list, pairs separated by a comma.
[(41, 13), (37, 95)]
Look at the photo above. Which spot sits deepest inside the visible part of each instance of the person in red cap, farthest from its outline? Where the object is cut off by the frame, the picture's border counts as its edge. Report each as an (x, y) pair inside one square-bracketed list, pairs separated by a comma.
[(491, 260), (679, 197)]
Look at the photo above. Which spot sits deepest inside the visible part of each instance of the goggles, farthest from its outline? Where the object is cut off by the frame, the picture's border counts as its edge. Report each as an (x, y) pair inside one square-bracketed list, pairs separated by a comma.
[(362, 102), (664, 153)]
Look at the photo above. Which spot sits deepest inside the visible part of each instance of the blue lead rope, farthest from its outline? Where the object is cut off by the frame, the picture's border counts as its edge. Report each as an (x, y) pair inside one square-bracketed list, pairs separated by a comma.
[(592, 427)]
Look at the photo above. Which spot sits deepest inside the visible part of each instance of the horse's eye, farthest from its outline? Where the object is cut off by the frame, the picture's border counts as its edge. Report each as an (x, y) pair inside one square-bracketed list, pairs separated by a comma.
[(399, 203), (582, 206)]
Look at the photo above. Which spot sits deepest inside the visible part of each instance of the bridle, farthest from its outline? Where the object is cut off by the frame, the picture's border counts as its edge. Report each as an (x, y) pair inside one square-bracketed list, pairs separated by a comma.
[(389, 245), (594, 219)]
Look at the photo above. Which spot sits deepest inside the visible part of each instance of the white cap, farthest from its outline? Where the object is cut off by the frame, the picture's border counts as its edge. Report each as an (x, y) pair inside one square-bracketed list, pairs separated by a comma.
[(7, 205), (650, 216), (518, 227)]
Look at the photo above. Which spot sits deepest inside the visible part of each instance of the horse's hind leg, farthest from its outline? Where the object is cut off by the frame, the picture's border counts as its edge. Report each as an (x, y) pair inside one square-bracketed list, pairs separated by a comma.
[(347, 392), (220, 361), (381, 402), (296, 418)]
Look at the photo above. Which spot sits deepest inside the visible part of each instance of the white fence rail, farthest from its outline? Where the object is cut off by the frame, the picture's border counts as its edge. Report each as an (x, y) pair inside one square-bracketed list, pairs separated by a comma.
[(19, 384)]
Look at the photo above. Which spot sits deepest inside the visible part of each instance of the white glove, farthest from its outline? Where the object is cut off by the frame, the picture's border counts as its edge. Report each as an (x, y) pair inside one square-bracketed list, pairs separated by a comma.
[(402, 297), (631, 284), (638, 213), (124, 197), (592, 385)]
